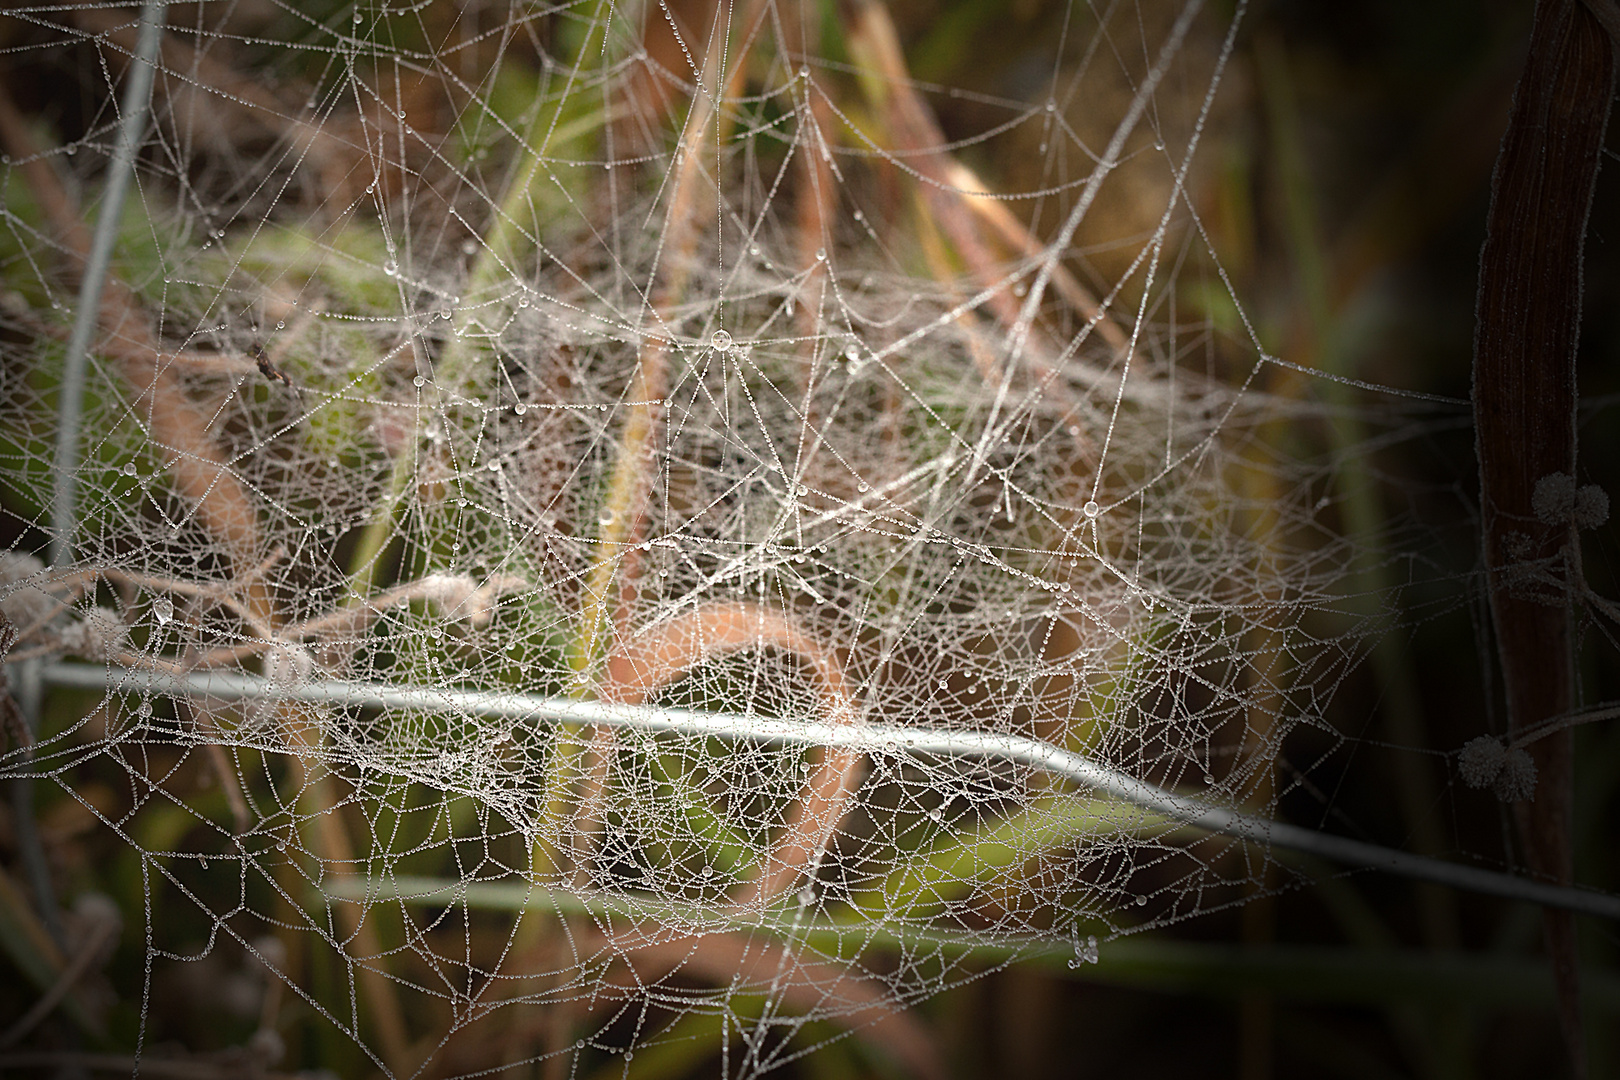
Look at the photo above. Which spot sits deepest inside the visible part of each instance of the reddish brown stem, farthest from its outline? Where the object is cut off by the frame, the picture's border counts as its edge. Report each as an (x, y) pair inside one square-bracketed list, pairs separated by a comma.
[(671, 650), (1527, 330)]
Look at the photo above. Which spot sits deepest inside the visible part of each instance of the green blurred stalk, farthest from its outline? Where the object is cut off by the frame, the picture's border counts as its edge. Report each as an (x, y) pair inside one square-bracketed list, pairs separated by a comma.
[(1316, 973)]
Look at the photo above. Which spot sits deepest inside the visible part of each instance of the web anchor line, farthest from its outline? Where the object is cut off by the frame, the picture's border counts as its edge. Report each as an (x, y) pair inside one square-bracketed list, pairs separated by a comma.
[(877, 738)]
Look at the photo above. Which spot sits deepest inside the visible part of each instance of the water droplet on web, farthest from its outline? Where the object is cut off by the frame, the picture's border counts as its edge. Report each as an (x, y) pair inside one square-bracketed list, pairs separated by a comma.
[(391, 268), (401, 114), (708, 871), (1051, 106), (1091, 509), (418, 381), (162, 609), (862, 487), (371, 187), (144, 710), (605, 519), (1085, 950), (494, 466), (461, 503), (821, 254), (357, 18), (72, 148), (520, 408), (721, 340), (936, 814), (523, 301), (129, 468), (469, 247), (1141, 901)]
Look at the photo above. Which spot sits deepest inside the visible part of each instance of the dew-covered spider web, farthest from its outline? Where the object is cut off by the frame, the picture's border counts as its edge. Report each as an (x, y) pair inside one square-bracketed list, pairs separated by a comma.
[(602, 532)]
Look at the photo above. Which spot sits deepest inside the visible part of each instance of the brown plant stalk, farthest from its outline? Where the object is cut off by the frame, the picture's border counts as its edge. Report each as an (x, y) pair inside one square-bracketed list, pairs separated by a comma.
[(1526, 334)]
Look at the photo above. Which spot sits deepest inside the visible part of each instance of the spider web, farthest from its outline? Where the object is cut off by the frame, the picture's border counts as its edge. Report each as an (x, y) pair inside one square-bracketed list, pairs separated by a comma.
[(541, 465)]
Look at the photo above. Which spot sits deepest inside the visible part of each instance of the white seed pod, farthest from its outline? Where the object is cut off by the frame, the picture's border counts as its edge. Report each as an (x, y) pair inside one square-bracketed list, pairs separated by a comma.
[(1517, 780), (458, 596), (450, 593), (286, 666), (1481, 761), (96, 636), (1554, 498), (1486, 762), (21, 597), (1591, 507)]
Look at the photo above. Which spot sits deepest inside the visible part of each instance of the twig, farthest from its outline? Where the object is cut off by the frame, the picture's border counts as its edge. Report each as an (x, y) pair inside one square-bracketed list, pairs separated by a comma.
[(861, 738)]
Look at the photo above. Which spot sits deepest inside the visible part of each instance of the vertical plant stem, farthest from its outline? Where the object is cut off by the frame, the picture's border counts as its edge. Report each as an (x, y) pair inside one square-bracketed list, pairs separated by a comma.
[(70, 407), (87, 318), (1526, 335)]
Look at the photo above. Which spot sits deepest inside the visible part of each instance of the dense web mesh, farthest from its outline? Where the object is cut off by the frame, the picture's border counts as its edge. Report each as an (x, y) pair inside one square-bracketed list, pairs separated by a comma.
[(666, 413)]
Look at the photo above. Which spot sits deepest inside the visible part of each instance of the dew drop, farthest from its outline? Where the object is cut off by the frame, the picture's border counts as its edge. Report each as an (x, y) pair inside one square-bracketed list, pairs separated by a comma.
[(721, 341), (281, 325), (391, 268), (821, 254), (520, 408), (162, 609), (129, 469), (863, 487), (1085, 951), (1091, 509), (419, 381)]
